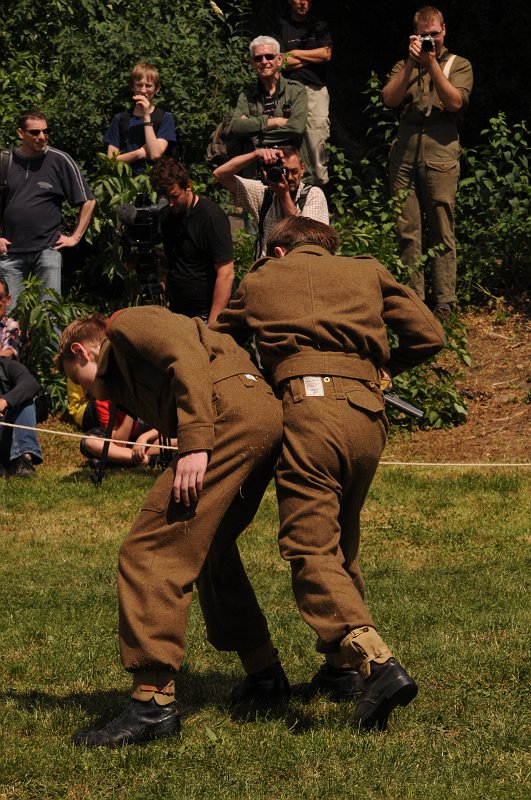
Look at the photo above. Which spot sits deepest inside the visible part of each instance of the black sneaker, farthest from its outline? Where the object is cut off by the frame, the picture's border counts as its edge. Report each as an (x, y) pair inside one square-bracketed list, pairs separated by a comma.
[(3, 472), (388, 686), (338, 684), (140, 722), (22, 467), (270, 685)]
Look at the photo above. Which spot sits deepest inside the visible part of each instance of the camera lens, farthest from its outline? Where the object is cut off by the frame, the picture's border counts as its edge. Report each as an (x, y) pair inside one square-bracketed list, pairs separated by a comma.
[(274, 174)]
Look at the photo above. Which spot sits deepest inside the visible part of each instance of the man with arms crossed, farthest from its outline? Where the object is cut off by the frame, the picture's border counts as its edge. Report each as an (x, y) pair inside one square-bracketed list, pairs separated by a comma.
[(273, 112), (307, 45)]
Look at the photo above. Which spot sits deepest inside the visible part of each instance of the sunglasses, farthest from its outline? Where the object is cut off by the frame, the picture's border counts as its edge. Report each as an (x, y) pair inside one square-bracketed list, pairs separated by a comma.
[(37, 131), (267, 56)]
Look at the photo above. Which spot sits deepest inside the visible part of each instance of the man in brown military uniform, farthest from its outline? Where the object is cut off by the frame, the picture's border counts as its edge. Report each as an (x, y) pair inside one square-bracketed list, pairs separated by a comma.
[(189, 382), (320, 327), (431, 88)]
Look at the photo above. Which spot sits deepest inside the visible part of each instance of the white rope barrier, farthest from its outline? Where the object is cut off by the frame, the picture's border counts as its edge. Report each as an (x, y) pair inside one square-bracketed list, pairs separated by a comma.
[(453, 464), (487, 464), (82, 435)]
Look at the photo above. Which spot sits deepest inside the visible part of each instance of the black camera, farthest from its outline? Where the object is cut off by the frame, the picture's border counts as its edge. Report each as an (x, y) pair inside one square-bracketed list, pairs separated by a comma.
[(139, 233), (427, 43), (274, 172)]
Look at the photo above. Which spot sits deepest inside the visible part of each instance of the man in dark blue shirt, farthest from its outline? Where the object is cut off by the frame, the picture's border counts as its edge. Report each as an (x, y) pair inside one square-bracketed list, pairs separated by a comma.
[(39, 179), (147, 132)]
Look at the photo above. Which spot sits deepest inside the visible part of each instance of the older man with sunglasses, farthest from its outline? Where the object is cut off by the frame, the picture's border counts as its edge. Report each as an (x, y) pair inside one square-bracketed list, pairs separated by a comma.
[(37, 179), (273, 111)]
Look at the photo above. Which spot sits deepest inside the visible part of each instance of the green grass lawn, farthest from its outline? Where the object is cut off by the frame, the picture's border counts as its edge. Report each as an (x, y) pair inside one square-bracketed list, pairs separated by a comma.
[(444, 557)]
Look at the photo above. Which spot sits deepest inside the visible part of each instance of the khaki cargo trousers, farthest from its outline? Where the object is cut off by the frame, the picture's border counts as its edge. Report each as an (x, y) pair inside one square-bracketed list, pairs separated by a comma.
[(331, 447), (426, 164), (169, 548)]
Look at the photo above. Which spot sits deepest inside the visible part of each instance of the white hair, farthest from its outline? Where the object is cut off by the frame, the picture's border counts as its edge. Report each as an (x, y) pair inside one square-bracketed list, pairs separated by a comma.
[(264, 41)]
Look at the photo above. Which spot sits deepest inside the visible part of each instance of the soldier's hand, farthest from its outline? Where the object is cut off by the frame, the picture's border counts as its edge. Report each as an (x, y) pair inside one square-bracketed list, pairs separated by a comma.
[(189, 474)]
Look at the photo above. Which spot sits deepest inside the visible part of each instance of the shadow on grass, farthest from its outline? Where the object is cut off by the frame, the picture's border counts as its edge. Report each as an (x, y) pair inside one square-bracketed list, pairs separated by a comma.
[(193, 692)]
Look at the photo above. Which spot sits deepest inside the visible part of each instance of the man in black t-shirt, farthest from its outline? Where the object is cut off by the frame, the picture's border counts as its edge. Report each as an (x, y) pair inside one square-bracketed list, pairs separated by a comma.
[(307, 45), (197, 243), (39, 179)]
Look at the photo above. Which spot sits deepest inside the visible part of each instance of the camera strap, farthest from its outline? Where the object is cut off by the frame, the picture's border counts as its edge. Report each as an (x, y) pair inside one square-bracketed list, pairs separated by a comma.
[(446, 64), (6, 157)]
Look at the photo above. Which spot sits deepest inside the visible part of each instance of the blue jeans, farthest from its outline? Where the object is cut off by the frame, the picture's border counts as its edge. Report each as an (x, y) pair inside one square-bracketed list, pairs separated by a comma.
[(44, 264), (14, 442)]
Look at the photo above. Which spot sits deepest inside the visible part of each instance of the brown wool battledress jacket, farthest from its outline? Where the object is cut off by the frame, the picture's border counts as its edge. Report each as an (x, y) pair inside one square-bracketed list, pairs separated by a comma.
[(161, 367), (317, 314)]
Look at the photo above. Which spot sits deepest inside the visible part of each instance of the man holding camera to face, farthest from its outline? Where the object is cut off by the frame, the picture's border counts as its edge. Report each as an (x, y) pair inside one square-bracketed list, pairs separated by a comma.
[(431, 88), (279, 194)]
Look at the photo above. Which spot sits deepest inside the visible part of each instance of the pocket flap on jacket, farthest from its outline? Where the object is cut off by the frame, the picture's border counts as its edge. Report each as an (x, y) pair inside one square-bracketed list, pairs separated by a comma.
[(442, 166), (365, 399)]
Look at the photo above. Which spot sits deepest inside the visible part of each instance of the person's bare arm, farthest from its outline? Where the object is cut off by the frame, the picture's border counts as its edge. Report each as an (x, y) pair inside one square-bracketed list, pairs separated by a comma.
[(222, 289), (297, 58), (83, 221), (225, 174), (127, 158)]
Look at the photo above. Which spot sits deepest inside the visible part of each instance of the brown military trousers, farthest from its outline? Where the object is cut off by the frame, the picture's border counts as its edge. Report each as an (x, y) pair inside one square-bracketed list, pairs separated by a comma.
[(330, 452), (426, 165), (169, 548)]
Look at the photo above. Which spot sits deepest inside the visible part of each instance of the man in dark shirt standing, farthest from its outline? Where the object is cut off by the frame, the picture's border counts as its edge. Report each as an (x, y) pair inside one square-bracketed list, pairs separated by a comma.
[(198, 245), (307, 45), (39, 179)]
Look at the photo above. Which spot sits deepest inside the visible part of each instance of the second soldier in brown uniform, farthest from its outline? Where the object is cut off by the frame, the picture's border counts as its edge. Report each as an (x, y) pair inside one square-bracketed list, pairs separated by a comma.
[(320, 327)]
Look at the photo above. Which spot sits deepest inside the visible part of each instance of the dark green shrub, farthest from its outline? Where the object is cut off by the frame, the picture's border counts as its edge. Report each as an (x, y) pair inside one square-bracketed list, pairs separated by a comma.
[(494, 215), (42, 321)]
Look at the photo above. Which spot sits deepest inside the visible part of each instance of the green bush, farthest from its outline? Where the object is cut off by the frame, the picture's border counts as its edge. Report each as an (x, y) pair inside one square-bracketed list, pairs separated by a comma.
[(42, 318), (494, 215), (73, 60)]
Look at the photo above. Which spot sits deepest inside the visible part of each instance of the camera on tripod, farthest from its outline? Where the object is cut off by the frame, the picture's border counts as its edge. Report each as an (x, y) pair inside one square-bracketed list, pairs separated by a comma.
[(138, 235)]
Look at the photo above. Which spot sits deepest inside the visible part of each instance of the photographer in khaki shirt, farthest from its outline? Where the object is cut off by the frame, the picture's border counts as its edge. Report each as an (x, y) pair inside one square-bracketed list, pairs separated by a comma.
[(431, 88)]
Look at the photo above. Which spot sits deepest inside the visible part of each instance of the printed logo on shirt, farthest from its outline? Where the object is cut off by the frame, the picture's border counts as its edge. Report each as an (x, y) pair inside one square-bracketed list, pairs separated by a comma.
[(44, 185)]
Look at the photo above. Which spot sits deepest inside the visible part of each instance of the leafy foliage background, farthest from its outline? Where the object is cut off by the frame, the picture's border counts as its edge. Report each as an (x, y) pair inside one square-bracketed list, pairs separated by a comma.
[(72, 60)]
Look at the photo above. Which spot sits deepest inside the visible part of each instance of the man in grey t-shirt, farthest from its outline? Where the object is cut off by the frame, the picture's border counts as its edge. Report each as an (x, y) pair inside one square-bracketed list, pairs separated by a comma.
[(39, 179)]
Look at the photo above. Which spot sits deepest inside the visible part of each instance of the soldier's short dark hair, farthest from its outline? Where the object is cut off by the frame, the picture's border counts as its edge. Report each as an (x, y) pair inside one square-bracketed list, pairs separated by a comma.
[(293, 231)]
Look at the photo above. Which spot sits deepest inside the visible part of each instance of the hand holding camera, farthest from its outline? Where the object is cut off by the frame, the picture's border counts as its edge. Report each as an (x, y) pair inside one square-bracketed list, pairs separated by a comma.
[(422, 48), (271, 166)]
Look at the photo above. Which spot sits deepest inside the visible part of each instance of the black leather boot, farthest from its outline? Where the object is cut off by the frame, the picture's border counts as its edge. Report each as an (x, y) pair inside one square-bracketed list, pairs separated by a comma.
[(270, 685), (338, 684), (140, 722), (388, 686)]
